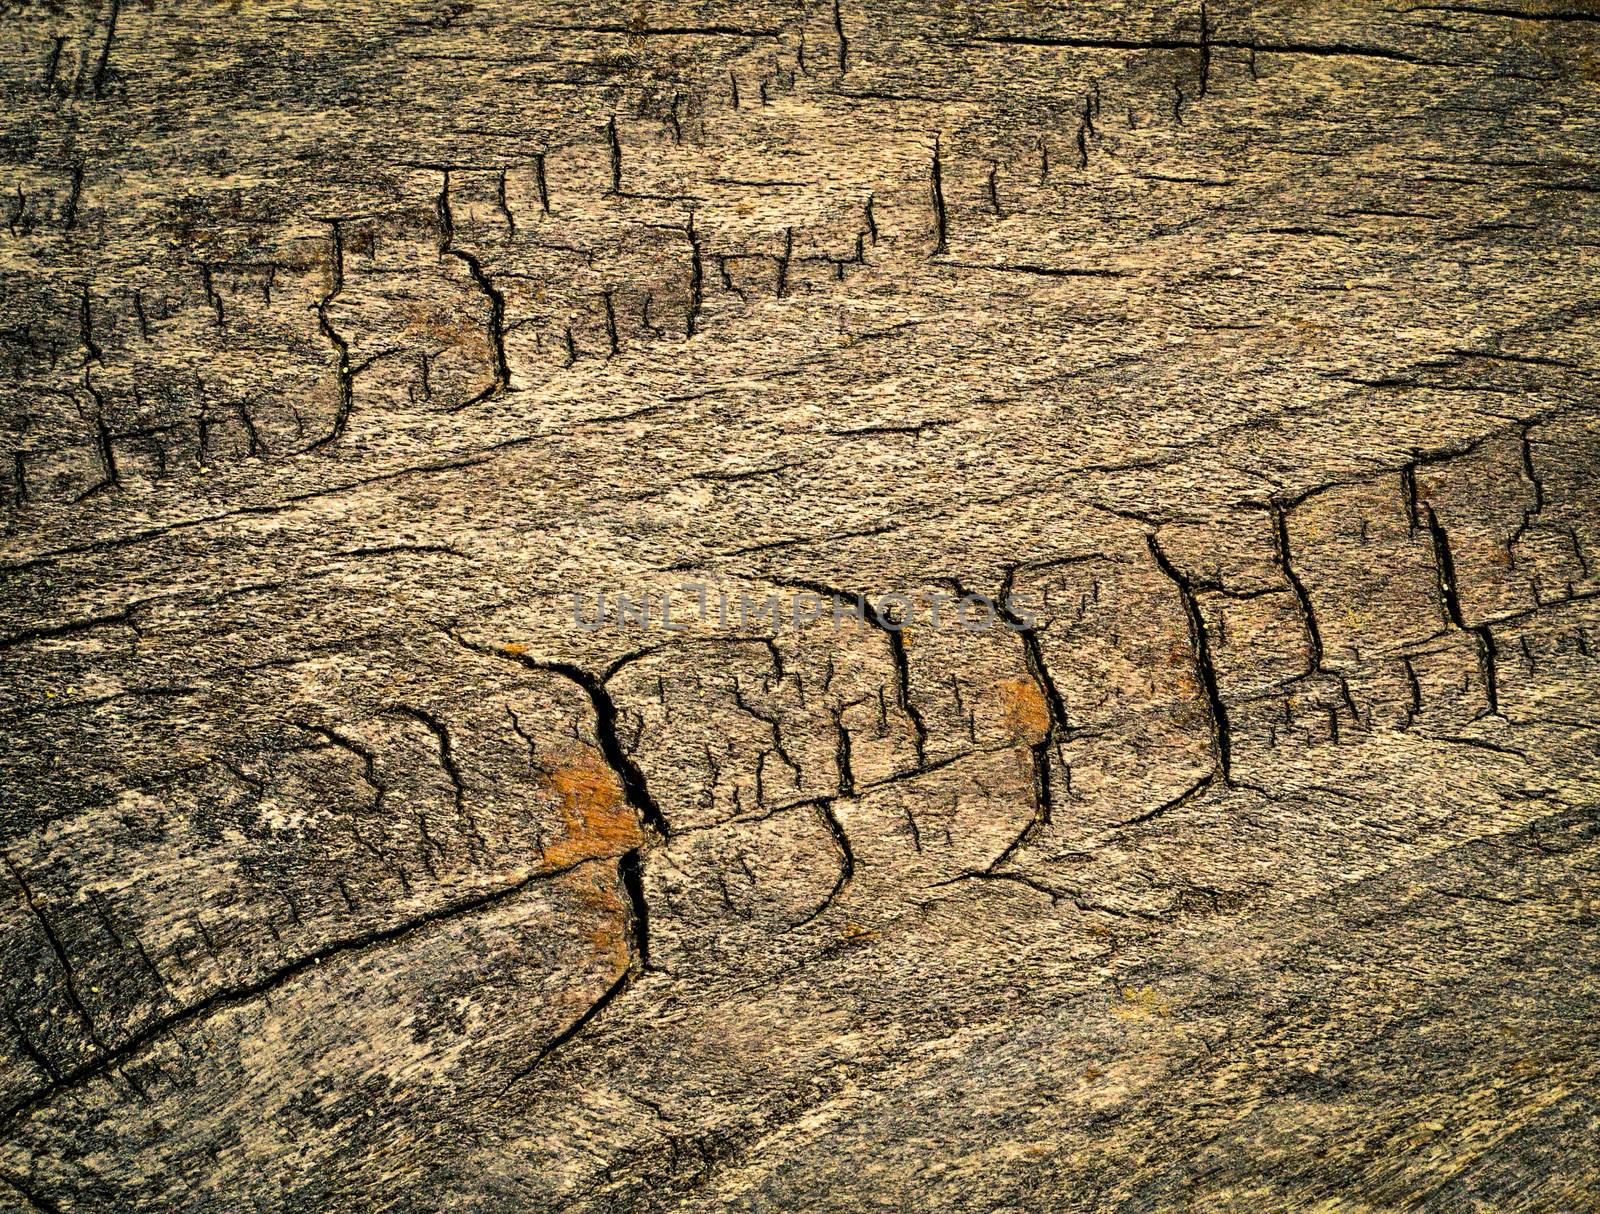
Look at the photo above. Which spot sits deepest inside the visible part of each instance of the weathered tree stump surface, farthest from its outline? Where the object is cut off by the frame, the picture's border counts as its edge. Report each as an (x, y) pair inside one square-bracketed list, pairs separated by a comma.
[(1251, 867)]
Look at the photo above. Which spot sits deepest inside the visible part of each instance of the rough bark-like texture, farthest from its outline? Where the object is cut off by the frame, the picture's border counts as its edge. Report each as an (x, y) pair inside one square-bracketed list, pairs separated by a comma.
[(1254, 344)]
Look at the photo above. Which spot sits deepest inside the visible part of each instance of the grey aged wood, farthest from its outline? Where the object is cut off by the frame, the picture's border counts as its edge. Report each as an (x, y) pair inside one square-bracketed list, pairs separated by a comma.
[(1254, 345)]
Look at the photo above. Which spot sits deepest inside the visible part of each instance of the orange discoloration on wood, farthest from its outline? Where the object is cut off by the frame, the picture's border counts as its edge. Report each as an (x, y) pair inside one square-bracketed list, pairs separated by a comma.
[(597, 817), (1026, 714), (599, 916), (604, 913), (446, 326)]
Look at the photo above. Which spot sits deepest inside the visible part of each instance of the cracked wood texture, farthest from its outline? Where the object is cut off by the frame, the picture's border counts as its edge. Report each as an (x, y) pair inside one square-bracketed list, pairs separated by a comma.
[(1254, 342)]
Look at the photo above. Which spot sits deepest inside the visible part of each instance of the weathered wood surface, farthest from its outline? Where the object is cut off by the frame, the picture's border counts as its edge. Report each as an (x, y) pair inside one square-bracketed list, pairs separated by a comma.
[(345, 341)]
